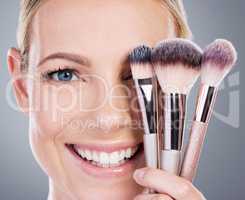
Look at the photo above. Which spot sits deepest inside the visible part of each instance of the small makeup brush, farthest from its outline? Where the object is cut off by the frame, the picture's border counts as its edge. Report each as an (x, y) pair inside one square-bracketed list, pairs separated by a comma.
[(142, 71), (177, 65), (218, 59)]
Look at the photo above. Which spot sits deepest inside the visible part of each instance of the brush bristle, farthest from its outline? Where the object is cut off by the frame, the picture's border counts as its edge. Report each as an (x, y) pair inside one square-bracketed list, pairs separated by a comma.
[(218, 59), (177, 64), (140, 61), (174, 51)]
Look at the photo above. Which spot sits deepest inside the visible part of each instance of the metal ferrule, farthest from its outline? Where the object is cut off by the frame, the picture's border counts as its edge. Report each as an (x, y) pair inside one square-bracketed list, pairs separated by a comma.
[(205, 103), (146, 97), (172, 108)]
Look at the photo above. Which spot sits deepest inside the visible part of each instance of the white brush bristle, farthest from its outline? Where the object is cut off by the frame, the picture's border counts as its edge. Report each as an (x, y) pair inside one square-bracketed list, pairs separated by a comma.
[(213, 76), (177, 64), (176, 79), (141, 71)]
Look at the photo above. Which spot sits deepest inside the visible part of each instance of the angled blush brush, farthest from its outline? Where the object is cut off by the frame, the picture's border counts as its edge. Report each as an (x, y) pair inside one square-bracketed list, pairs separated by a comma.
[(218, 59), (177, 66), (142, 71)]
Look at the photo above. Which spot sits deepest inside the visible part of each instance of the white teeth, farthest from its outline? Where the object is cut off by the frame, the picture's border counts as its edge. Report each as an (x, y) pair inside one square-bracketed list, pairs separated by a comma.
[(88, 154), (122, 155), (104, 159), (95, 156), (82, 153), (114, 158), (128, 153)]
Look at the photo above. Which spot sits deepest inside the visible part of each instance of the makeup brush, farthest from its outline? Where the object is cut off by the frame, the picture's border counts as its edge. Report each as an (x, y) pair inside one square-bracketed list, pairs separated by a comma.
[(218, 59), (177, 65), (142, 72)]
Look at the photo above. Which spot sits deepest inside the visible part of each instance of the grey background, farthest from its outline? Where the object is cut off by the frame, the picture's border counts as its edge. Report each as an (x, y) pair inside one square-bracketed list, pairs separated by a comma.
[(221, 174)]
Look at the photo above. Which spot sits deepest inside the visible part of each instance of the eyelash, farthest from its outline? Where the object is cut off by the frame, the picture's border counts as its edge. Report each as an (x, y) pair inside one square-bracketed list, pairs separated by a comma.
[(49, 73), (47, 76), (128, 77)]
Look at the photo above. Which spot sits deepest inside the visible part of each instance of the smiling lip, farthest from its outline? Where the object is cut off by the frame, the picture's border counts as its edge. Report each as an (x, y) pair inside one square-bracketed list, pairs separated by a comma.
[(123, 168)]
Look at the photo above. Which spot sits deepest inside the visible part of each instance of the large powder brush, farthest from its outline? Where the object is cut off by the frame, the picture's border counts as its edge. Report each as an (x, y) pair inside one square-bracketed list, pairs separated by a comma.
[(177, 64), (218, 59)]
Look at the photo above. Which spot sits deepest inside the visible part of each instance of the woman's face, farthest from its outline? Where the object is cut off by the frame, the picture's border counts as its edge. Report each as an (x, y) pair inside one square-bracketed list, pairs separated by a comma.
[(81, 95)]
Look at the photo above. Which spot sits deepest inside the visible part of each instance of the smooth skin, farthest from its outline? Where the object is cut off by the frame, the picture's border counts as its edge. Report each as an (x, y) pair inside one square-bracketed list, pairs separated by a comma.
[(96, 37)]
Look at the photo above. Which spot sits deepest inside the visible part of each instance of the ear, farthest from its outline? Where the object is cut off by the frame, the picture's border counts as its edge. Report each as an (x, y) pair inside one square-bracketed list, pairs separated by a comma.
[(19, 81)]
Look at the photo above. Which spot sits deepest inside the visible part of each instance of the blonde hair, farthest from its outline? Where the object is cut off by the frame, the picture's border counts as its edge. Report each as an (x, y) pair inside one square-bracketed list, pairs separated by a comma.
[(28, 8)]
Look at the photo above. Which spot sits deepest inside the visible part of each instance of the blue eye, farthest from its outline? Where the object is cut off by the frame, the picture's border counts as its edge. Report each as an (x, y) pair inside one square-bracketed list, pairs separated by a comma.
[(63, 75)]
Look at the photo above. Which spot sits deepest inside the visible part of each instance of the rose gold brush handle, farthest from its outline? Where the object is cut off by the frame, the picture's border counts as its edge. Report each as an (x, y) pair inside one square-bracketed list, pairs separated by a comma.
[(205, 103), (193, 150)]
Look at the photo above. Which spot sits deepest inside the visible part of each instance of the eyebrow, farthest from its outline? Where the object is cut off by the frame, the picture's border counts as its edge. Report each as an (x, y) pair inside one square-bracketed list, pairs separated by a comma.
[(66, 56)]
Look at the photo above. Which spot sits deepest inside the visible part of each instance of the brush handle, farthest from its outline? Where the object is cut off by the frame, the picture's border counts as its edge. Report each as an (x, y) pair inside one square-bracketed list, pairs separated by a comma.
[(171, 161), (150, 150), (193, 150)]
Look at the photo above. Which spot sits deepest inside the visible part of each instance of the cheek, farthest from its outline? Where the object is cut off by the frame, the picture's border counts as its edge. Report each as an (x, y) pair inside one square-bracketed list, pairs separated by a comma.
[(55, 107)]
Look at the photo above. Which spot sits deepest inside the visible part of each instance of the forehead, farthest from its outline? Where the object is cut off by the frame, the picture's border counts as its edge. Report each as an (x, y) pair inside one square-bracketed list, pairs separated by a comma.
[(98, 28)]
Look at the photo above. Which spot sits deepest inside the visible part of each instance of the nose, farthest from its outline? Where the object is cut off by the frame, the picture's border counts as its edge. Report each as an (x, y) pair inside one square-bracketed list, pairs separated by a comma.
[(114, 113)]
